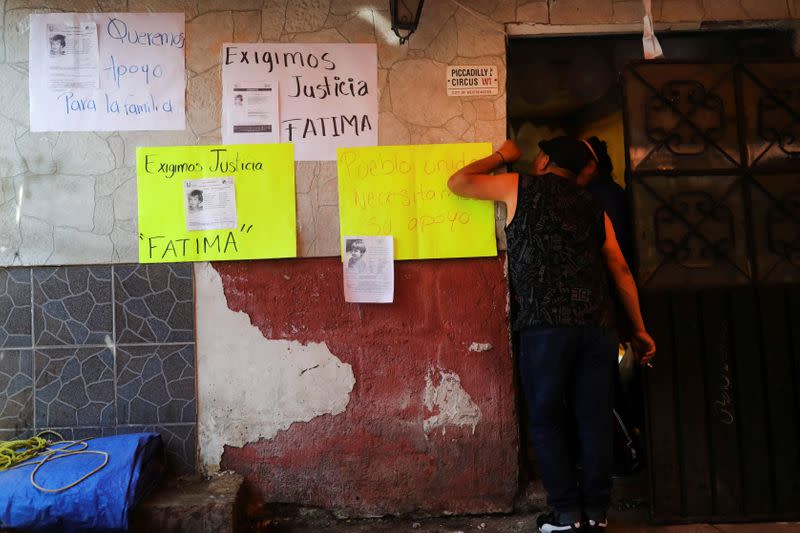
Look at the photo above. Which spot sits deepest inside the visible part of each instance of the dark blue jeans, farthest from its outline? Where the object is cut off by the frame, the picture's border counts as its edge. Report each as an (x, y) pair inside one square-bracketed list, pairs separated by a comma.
[(574, 367)]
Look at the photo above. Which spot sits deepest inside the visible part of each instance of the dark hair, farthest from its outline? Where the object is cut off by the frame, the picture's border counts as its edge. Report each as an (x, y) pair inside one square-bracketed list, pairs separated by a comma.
[(197, 193), (604, 165), (60, 38), (567, 152), (355, 244)]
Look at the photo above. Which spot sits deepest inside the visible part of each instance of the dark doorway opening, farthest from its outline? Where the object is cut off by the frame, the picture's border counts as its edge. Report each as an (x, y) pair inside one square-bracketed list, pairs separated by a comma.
[(574, 85)]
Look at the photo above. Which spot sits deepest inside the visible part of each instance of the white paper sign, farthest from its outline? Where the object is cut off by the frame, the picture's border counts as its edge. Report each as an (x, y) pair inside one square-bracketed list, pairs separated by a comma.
[(251, 115), (210, 203), (141, 73), (328, 93), (72, 56), (368, 269), (652, 48), (472, 80)]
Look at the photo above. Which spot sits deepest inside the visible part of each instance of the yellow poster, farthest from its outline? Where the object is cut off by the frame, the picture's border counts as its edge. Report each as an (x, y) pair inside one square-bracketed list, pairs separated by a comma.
[(216, 203), (402, 191)]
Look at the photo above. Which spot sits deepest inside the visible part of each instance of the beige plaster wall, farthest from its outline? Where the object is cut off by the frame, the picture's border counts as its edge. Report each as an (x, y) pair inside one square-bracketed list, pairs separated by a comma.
[(69, 198)]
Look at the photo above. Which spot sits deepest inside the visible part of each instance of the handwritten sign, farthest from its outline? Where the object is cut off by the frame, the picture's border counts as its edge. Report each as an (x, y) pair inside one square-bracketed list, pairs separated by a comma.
[(402, 191), (328, 93), (141, 75), (265, 209)]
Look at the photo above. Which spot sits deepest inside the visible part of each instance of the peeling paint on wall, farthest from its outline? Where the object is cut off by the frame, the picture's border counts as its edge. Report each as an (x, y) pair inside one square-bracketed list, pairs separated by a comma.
[(376, 458), (449, 401), (251, 387), (480, 346)]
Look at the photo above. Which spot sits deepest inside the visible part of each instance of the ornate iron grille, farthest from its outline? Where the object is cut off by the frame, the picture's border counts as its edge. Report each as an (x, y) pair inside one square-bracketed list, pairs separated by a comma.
[(713, 153)]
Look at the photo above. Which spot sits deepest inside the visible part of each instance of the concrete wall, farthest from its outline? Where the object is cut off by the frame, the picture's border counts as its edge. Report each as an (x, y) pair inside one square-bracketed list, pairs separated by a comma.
[(96, 170), (366, 409)]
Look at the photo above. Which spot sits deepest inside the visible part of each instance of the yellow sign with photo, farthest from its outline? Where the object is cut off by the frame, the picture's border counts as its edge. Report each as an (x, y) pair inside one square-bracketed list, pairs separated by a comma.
[(216, 203), (402, 191)]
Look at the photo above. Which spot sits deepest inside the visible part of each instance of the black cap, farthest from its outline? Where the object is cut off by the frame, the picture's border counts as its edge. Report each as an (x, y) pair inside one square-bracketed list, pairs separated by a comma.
[(566, 152)]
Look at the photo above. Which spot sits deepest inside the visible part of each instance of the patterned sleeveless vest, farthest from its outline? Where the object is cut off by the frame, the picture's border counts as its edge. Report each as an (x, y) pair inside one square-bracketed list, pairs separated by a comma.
[(555, 263)]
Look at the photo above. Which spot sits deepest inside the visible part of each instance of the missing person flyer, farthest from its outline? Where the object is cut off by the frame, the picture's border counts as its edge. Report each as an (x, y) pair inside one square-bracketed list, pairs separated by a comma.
[(210, 203), (368, 269), (250, 113)]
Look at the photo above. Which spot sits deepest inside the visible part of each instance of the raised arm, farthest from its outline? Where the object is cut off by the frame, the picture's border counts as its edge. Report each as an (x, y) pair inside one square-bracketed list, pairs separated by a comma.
[(476, 180), (643, 345)]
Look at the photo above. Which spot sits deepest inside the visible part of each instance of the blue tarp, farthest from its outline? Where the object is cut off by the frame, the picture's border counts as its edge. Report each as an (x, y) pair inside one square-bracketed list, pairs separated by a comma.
[(100, 503)]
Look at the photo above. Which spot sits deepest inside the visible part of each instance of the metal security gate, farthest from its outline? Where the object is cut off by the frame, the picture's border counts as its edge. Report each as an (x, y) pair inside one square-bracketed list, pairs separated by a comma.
[(713, 156)]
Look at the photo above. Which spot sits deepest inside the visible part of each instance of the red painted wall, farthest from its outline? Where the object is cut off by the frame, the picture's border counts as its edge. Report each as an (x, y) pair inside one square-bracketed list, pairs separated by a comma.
[(375, 458)]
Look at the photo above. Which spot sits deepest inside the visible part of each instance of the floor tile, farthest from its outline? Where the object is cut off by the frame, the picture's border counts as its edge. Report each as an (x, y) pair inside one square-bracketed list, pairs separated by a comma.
[(74, 387), (16, 389), (155, 384), (15, 434), (15, 308), (154, 303), (179, 441), (72, 306), (83, 433)]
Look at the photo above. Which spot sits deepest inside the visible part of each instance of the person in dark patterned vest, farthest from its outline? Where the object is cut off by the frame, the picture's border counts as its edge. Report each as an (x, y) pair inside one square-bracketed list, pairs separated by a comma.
[(562, 252)]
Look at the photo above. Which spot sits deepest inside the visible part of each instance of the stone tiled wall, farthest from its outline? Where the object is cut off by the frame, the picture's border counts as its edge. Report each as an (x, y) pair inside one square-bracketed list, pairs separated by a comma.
[(43, 175), (93, 351)]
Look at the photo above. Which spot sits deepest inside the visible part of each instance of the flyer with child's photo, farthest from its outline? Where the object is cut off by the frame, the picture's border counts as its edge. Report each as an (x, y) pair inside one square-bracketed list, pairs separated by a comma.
[(368, 269), (210, 203)]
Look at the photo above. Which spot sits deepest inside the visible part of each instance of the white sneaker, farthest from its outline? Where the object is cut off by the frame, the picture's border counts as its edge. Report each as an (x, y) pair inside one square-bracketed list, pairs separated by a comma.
[(596, 525), (548, 524)]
